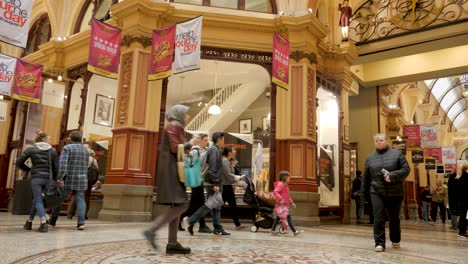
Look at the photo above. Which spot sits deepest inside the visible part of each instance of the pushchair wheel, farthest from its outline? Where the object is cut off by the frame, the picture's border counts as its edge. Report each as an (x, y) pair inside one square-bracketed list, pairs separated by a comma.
[(282, 230), (254, 228)]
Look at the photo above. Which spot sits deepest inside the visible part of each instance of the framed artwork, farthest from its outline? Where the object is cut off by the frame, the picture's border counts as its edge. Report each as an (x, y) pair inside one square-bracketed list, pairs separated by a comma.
[(266, 124), (104, 110), (245, 126)]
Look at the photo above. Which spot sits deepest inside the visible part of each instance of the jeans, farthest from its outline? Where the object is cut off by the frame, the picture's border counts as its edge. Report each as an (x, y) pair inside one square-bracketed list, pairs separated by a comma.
[(38, 185), (425, 210), (78, 196), (453, 219), (197, 200), (290, 224), (393, 205), (204, 210)]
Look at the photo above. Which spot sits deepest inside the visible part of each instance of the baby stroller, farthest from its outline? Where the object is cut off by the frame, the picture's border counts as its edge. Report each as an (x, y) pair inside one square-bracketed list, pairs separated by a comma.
[(263, 211)]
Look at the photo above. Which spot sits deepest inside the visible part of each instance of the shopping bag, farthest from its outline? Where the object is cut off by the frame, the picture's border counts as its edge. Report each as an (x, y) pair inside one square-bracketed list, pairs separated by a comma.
[(215, 201), (192, 172), (181, 163)]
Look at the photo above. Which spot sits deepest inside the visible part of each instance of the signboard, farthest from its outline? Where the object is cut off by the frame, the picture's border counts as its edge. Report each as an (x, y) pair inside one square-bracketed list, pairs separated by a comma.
[(280, 68), (162, 53), (417, 156), (27, 84), (15, 16), (449, 155), (188, 45), (435, 153), (430, 164), (7, 70), (104, 49), (413, 140), (429, 137)]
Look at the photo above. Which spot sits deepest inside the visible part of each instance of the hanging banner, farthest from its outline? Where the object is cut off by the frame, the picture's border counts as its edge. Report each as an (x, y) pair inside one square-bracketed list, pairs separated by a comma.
[(430, 164), (400, 145), (280, 61), (15, 16), (53, 94), (413, 140), (3, 111), (27, 83), (104, 49), (7, 70), (434, 153), (162, 53), (449, 155), (187, 46), (429, 138), (417, 156)]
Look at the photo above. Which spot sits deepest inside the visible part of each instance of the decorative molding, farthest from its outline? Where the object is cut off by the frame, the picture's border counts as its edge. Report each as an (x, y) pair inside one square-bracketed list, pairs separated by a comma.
[(297, 109), (311, 103), (297, 55), (124, 86), (127, 40)]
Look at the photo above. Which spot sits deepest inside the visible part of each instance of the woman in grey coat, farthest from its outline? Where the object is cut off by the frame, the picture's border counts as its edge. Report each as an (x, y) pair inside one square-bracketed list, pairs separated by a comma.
[(170, 191)]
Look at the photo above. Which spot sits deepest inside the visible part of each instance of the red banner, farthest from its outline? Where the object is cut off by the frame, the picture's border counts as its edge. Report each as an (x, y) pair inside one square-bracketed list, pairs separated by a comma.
[(435, 153), (280, 61), (414, 139), (27, 83), (104, 49), (162, 53)]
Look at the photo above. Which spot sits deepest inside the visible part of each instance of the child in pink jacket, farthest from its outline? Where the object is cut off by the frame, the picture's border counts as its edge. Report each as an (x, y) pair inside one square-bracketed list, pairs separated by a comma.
[(283, 200)]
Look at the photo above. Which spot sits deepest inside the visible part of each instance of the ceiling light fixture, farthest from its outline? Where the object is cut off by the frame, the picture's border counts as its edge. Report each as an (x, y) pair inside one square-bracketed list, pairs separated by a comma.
[(465, 93), (50, 80), (310, 10), (214, 110), (59, 77)]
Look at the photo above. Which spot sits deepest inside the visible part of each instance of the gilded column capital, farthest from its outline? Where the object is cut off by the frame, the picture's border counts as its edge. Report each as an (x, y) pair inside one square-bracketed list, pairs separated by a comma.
[(297, 55), (127, 40)]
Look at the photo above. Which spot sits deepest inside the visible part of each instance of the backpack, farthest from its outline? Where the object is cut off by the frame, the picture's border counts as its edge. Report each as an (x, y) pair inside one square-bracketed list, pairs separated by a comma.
[(93, 173)]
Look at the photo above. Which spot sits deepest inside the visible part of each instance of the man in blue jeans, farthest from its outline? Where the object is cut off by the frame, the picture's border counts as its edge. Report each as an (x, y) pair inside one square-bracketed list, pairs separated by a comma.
[(426, 197), (73, 177)]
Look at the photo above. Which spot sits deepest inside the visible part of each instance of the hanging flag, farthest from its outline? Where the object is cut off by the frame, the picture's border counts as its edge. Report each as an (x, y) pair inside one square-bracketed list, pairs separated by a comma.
[(27, 83), (413, 140), (15, 16), (449, 155), (162, 53), (7, 70), (104, 49), (429, 138), (280, 61), (187, 45), (433, 153)]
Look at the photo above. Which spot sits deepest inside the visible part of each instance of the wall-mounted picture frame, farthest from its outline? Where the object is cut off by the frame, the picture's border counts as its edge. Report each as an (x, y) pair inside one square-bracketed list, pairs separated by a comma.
[(245, 126), (104, 110), (266, 124)]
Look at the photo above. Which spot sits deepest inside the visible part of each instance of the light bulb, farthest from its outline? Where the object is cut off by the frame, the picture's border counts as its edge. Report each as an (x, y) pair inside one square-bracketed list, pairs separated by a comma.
[(214, 110)]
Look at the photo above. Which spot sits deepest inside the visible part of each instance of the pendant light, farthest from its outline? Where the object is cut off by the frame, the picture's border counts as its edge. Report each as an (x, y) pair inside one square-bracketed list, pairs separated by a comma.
[(215, 109)]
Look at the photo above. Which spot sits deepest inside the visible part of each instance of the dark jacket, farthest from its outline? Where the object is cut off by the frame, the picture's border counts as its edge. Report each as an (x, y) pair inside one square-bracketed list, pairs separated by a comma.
[(458, 194), (169, 189), (425, 195), (39, 154), (215, 173), (356, 187), (393, 161)]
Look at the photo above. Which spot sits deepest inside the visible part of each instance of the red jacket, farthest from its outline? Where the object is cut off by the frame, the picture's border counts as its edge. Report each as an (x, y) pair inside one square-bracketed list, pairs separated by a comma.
[(281, 192)]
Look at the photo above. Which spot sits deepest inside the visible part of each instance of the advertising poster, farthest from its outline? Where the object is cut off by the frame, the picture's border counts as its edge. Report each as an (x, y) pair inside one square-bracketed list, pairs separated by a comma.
[(15, 17), (162, 53), (449, 155), (188, 46), (27, 83), (417, 156), (104, 49), (435, 153), (429, 138), (280, 67), (430, 164), (413, 140), (7, 70), (400, 145), (53, 94)]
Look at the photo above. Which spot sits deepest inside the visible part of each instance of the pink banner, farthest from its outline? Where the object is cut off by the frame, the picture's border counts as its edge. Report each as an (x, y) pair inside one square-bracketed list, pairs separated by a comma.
[(27, 83), (280, 61), (162, 53), (413, 140), (449, 155), (104, 49), (435, 153)]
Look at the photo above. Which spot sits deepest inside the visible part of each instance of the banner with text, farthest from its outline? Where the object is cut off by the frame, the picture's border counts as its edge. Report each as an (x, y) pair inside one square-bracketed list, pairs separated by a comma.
[(15, 16), (104, 49), (7, 70), (187, 45), (413, 140), (429, 137), (434, 153), (449, 155), (162, 53), (27, 83), (280, 65), (417, 156)]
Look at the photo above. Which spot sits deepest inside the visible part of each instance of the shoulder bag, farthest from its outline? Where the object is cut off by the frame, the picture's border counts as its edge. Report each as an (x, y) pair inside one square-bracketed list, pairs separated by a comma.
[(181, 163), (53, 198)]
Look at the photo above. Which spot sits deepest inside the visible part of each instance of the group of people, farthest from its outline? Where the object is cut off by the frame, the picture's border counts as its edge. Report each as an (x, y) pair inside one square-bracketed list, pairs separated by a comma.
[(219, 176), (69, 171)]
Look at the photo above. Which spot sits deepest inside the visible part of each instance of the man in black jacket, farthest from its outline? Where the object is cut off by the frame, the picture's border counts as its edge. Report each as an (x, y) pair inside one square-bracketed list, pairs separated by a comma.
[(385, 172), (357, 196)]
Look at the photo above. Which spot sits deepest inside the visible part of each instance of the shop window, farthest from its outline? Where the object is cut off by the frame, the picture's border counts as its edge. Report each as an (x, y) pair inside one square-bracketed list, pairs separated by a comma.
[(98, 9), (265, 6), (39, 33)]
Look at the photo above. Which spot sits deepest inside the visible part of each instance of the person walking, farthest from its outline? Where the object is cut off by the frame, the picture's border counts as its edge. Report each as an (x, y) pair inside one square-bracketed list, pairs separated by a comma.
[(73, 177), (171, 191), (385, 172), (438, 201), (283, 201), (426, 198), (458, 197), (44, 161), (357, 196)]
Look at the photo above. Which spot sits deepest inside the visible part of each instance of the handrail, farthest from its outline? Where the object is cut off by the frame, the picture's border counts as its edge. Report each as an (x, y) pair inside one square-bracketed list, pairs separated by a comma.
[(219, 99)]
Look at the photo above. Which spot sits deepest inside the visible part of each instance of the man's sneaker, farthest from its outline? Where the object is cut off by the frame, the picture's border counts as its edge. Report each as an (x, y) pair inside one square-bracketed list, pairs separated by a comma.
[(80, 227), (150, 237), (240, 227), (297, 232), (177, 249), (221, 233), (205, 229), (396, 245), (28, 225), (379, 248), (43, 228)]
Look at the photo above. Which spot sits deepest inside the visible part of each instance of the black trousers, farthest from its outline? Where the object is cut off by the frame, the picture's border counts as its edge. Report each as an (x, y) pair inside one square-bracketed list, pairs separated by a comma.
[(442, 209), (381, 206), (230, 197), (197, 200), (357, 199), (462, 223)]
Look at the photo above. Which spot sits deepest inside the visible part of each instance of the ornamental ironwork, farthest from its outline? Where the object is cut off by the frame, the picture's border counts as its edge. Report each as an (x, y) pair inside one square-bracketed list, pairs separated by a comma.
[(383, 18)]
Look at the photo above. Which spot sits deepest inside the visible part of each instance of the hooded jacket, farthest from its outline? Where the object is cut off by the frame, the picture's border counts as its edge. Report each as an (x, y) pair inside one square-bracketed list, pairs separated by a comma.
[(281, 192), (39, 154)]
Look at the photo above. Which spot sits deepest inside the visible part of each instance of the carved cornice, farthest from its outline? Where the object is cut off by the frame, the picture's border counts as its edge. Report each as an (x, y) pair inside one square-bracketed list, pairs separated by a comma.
[(297, 55), (127, 40)]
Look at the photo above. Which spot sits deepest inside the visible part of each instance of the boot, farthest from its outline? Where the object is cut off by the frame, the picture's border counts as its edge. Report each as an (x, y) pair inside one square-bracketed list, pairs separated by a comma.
[(177, 249), (43, 228), (28, 225)]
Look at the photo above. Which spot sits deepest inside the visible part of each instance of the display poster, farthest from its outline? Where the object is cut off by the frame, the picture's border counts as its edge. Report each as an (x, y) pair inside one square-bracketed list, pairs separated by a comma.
[(435, 153), (15, 16), (162, 53), (27, 83), (413, 140), (7, 70), (326, 173), (400, 145), (280, 67), (53, 94), (449, 155), (187, 45), (430, 164), (3, 111), (429, 137), (104, 49), (417, 156)]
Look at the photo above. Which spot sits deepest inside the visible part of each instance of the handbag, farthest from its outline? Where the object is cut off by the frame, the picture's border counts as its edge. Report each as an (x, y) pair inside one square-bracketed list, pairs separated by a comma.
[(192, 172), (53, 197), (181, 163), (215, 201)]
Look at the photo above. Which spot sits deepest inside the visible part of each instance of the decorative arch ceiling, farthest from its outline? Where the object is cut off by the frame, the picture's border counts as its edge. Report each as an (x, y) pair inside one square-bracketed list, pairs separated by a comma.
[(449, 93)]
